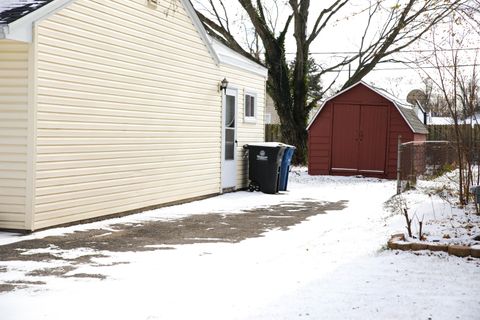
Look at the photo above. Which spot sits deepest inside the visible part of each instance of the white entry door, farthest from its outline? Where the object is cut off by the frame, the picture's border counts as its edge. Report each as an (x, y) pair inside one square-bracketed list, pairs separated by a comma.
[(229, 139)]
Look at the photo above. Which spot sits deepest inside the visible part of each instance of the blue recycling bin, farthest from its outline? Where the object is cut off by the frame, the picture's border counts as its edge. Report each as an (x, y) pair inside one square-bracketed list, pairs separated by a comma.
[(285, 167)]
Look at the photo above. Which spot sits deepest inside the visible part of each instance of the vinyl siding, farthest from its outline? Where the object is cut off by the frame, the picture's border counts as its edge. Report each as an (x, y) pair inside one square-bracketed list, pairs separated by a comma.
[(13, 133), (129, 111), (247, 132)]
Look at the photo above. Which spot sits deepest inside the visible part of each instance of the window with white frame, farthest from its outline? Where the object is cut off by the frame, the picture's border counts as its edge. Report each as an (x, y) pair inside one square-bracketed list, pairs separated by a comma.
[(250, 106)]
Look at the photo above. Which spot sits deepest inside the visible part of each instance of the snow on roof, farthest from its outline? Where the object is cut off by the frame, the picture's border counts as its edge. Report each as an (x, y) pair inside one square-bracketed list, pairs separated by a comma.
[(12, 10), (444, 121), (440, 120)]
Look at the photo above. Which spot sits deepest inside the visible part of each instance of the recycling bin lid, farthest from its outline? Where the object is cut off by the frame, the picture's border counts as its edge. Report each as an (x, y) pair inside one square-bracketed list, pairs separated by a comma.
[(269, 144)]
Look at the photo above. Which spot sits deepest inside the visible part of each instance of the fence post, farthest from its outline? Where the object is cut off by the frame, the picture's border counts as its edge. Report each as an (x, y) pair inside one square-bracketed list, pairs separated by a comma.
[(399, 162)]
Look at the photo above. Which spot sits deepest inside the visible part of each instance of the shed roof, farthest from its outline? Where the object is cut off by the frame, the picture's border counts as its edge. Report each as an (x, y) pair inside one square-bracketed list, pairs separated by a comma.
[(404, 108)]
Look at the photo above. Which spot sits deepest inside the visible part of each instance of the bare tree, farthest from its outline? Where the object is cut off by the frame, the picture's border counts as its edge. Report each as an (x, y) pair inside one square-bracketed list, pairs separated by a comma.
[(387, 30), (456, 79)]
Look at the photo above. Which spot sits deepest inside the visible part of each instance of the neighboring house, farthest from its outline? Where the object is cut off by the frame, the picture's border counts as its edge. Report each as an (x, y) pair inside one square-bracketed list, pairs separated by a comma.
[(112, 106), (271, 115), (474, 119), (439, 121), (420, 112), (445, 121), (356, 132)]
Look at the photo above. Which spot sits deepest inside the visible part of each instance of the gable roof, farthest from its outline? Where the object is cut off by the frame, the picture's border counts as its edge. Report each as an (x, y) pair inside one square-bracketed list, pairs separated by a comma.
[(405, 109), (17, 18)]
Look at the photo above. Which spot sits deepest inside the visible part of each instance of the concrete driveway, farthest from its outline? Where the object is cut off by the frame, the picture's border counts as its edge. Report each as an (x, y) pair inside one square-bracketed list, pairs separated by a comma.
[(149, 236)]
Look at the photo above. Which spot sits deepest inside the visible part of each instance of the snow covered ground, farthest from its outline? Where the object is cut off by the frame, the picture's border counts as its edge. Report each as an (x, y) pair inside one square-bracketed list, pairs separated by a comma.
[(331, 266), (435, 202)]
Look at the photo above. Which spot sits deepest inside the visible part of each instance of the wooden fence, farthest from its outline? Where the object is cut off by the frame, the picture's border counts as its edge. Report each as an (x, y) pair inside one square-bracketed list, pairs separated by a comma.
[(447, 132), (435, 132), (273, 133)]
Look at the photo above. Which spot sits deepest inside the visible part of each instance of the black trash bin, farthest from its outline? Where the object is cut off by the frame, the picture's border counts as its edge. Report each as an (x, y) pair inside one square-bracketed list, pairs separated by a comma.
[(264, 160)]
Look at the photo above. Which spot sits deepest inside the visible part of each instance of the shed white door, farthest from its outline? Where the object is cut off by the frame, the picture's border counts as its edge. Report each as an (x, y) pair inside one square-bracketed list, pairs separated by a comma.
[(229, 141)]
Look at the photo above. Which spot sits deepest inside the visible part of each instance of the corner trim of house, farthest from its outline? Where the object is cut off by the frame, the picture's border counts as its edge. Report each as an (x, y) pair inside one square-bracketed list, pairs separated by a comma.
[(31, 133)]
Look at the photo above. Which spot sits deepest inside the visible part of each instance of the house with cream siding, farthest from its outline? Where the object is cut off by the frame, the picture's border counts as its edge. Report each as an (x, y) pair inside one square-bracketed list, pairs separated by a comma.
[(114, 106)]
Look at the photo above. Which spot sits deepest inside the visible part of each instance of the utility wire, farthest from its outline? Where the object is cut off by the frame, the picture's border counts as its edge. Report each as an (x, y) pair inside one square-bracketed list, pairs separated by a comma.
[(403, 51), (411, 68)]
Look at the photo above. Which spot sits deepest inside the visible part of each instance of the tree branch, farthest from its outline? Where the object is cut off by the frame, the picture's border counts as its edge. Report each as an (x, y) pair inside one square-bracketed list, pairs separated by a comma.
[(330, 12), (222, 35)]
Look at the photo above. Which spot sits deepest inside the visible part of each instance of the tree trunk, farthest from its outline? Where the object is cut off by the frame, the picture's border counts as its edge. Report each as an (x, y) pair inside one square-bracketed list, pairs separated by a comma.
[(292, 112), (298, 138), (279, 89), (289, 90)]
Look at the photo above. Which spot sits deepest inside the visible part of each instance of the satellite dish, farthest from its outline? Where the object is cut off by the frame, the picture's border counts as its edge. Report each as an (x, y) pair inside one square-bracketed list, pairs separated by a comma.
[(415, 96)]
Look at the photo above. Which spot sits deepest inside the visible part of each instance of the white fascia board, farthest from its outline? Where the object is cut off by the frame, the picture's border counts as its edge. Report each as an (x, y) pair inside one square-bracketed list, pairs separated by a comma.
[(201, 30), (19, 34), (232, 58), (21, 29), (244, 65)]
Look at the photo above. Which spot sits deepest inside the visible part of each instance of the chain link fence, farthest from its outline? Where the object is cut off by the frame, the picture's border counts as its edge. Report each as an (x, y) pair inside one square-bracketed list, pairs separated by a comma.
[(423, 160)]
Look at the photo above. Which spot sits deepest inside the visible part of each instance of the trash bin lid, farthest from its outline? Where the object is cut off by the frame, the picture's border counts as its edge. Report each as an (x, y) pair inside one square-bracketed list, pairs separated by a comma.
[(269, 144)]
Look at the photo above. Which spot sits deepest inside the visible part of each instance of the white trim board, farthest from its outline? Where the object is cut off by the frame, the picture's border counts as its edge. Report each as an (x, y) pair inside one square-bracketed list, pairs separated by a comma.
[(232, 58)]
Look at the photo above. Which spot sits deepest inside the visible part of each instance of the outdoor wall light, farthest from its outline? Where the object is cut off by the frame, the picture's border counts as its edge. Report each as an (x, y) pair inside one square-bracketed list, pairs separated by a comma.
[(224, 85)]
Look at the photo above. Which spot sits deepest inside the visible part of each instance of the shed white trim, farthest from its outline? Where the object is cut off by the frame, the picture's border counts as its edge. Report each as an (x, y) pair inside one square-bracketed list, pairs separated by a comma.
[(384, 95)]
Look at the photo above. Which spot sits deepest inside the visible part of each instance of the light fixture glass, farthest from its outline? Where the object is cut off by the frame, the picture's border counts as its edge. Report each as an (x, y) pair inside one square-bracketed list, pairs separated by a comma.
[(224, 84)]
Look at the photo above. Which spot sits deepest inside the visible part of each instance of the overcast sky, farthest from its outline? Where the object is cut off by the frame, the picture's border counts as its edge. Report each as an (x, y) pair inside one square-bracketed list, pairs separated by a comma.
[(343, 34)]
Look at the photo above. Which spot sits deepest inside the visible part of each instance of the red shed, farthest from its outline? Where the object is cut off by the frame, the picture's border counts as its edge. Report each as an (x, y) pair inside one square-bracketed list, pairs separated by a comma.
[(356, 132)]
